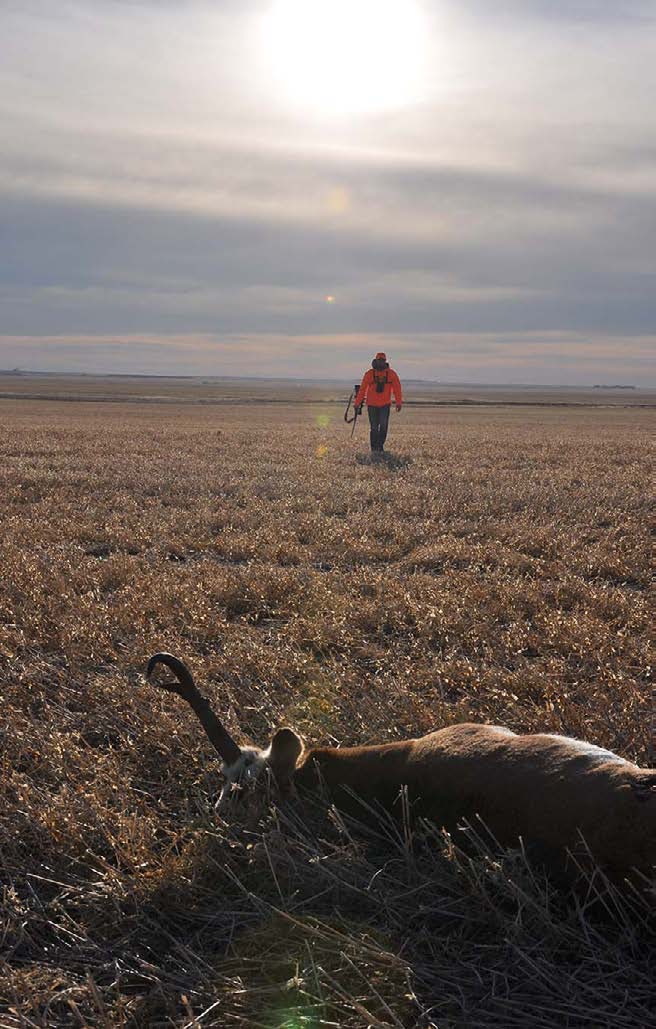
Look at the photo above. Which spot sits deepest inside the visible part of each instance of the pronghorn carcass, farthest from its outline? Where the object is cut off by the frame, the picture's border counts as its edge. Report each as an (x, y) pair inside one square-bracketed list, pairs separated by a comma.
[(549, 790)]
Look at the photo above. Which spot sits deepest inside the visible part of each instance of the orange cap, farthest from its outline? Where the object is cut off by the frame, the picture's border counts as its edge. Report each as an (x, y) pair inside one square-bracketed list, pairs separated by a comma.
[(380, 357)]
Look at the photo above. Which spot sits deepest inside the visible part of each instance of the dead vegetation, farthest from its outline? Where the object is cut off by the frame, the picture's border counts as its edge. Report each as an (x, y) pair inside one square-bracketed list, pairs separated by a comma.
[(500, 576)]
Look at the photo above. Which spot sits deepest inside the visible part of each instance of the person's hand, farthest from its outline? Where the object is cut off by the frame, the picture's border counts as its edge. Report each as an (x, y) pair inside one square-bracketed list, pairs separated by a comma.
[(398, 407), (358, 409)]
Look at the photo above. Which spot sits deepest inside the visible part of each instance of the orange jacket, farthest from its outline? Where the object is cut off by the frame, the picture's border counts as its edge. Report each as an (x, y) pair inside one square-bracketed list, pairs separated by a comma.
[(368, 391)]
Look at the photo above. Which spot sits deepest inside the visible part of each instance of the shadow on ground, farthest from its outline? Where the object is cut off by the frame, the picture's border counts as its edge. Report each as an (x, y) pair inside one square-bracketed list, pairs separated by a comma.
[(386, 460)]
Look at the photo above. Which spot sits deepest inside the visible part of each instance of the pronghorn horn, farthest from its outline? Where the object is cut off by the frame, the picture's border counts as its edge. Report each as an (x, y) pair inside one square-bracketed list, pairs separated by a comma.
[(185, 687)]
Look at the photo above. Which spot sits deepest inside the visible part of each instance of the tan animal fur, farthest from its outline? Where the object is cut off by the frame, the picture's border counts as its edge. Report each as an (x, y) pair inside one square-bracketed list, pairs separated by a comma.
[(549, 790)]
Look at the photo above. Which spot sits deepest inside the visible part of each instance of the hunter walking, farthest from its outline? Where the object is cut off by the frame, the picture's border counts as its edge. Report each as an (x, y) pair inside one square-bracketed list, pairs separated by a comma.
[(379, 384)]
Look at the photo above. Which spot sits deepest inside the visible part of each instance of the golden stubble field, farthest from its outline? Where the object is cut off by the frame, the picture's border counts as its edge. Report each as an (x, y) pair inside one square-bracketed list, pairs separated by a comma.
[(499, 574)]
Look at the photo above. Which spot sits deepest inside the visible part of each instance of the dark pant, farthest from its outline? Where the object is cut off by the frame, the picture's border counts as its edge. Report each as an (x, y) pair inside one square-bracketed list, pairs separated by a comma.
[(378, 422)]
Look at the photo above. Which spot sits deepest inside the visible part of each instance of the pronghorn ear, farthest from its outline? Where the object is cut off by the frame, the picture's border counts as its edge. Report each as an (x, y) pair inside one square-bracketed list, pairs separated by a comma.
[(286, 747)]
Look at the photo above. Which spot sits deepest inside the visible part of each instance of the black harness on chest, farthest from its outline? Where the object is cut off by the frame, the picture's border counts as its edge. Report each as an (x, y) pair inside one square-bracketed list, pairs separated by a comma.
[(381, 369)]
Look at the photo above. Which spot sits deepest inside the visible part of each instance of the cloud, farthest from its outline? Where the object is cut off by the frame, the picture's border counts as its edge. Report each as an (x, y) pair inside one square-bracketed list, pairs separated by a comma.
[(624, 12), (154, 187), (559, 358), (497, 265)]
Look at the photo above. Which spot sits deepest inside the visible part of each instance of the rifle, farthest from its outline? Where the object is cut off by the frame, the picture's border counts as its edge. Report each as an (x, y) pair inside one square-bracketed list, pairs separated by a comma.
[(356, 411)]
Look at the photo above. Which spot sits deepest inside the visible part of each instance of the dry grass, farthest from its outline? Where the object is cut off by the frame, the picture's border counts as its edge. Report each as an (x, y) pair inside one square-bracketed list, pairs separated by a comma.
[(500, 575)]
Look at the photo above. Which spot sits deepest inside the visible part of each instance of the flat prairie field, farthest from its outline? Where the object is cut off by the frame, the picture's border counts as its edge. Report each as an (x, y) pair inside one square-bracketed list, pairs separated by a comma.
[(496, 571)]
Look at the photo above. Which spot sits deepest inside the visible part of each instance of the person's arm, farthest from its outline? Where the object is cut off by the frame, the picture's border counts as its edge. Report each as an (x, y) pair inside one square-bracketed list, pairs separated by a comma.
[(396, 390), (362, 392)]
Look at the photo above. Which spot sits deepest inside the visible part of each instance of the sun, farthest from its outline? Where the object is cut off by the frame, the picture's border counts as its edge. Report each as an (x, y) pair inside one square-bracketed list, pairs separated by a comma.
[(341, 57)]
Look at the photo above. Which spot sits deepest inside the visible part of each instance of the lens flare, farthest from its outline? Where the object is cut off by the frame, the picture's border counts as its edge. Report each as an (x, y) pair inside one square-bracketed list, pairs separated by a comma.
[(338, 200)]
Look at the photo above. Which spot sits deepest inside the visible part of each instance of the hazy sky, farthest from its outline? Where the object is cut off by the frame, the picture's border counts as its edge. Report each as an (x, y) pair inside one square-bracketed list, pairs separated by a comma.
[(283, 188)]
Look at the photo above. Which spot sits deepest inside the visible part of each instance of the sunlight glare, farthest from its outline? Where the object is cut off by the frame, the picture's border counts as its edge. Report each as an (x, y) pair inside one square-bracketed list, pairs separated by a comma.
[(341, 57)]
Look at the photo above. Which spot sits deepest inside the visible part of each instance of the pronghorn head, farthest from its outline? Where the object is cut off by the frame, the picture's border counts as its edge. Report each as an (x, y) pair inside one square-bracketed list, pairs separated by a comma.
[(242, 765), (547, 789)]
